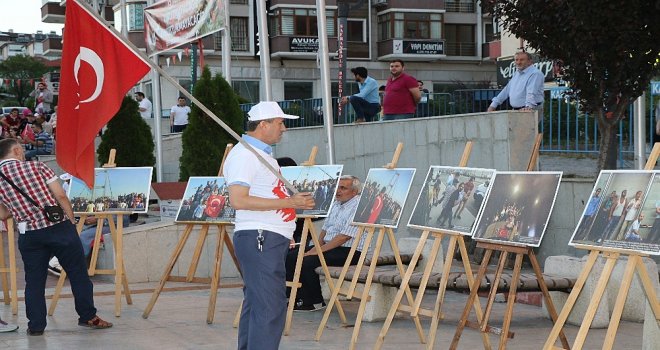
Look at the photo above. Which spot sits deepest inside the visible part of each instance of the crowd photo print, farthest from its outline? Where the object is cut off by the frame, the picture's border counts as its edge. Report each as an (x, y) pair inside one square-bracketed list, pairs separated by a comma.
[(115, 190), (383, 196), (206, 200), (518, 207), (320, 180), (623, 212)]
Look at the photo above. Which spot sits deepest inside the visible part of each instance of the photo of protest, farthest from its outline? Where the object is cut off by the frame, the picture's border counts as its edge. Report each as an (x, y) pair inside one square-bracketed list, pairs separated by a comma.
[(451, 199), (206, 199), (124, 190), (383, 196), (623, 212), (320, 180), (518, 207)]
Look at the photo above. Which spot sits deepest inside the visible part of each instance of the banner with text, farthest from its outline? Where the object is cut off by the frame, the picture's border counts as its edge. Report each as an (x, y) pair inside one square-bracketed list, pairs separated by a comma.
[(506, 68), (418, 47), (168, 24)]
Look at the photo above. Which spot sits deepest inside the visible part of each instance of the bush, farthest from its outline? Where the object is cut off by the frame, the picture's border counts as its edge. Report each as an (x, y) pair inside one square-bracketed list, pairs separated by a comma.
[(130, 135), (204, 141)]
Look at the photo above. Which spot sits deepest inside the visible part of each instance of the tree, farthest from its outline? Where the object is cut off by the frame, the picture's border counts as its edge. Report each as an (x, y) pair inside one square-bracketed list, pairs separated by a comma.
[(608, 50), (204, 141), (23, 72), (130, 135)]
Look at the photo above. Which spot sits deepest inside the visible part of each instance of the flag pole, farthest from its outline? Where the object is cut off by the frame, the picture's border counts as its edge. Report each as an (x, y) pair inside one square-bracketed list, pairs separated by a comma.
[(185, 92)]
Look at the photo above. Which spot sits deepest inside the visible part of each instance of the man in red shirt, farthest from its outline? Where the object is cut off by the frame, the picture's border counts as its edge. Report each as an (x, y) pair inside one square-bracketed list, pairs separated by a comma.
[(402, 93), (41, 238)]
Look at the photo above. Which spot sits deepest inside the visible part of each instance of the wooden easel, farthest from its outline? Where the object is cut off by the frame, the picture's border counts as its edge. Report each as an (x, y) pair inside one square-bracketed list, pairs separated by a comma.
[(415, 309), (9, 285), (308, 227), (350, 293), (223, 240), (504, 249), (117, 233), (611, 255)]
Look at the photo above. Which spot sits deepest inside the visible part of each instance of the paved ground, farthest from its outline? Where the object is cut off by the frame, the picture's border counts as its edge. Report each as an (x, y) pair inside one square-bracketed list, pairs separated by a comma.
[(178, 321)]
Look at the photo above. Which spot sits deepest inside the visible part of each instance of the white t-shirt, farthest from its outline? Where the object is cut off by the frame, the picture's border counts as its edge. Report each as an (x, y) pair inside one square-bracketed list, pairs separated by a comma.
[(145, 103), (180, 114), (243, 167)]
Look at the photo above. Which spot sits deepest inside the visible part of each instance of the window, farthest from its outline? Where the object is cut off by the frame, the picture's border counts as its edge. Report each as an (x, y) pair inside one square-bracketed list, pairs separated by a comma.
[(248, 90), (298, 90), (301, 22), (186, 84), (136, 16), (460, 40), (356, 30), (238, 30), (409, 25)]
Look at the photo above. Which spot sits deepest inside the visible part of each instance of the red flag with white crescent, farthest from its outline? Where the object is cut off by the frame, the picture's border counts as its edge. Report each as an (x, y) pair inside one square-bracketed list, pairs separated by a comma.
[(98, 69)]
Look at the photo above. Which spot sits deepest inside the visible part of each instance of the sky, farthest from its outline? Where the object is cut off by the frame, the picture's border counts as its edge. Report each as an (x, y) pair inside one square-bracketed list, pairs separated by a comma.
[(24, 16)]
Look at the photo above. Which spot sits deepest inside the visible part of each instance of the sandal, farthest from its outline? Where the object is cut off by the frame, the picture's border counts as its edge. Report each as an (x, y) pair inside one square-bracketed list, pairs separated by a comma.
[(96, 323)]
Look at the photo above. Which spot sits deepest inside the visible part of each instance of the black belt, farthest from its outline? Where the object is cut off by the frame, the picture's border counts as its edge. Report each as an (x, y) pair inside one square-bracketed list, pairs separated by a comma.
[(517, 108)]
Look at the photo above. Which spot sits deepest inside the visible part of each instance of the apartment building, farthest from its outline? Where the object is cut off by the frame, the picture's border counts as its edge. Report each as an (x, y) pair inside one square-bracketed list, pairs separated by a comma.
[(445, 43)]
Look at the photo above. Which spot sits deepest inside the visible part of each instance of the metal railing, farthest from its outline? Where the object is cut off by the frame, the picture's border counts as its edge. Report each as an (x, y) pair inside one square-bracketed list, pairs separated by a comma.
[(459, 6)]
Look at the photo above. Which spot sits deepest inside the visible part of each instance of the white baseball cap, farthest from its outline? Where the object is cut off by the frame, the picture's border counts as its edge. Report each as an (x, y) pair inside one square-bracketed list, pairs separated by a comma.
[(267, 110), (65, 176)]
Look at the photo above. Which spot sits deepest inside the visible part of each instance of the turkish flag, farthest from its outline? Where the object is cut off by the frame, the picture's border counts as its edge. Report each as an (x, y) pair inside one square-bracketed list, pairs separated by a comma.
[(98, 69)]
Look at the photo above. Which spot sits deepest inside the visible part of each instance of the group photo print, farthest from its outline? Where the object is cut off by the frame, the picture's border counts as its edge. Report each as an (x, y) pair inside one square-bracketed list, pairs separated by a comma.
[(206, 200), (383, 196), (320, 180)]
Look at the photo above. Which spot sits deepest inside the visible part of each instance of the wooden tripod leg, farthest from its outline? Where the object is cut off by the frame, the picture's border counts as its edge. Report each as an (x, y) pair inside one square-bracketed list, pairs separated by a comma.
[(326, 271), (572, 298), (404, 282), (237, 318), (546, 295), (97, 244), (446, 269), (194, 262), (470, 279), (595, 299), (295, 284), (367, 286), (124, 279), (168, 270), (360, 264), (474, 288), (11, 234), (120, 273), (651, 295), (626, 281), (508, 314), (215, 278), (56, 294), (493, 290), (335, 293), (3, 275)]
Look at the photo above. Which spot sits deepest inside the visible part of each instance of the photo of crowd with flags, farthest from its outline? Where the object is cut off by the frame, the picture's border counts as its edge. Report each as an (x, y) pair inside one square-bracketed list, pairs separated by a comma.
[(124, 190), (451, 199), (518, 207), (320, 180), (623, 212), (206, 199), (383, 196)]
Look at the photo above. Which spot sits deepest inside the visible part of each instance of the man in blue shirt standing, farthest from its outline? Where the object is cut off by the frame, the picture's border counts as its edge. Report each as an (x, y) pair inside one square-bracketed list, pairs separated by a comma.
[(366, 103), (525, 89)]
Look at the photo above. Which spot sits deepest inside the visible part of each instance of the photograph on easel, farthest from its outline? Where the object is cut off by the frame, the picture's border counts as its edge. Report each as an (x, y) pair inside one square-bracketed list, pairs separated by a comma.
[(623, 212), (320, 180), (518, 207), (205, 200), (383, 196), (116, 190), (451, 199)]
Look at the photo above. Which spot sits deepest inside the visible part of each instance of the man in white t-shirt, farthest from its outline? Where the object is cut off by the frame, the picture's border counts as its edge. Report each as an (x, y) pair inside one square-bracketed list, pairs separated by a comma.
[(265, 221), (144, 105), (179, 115)]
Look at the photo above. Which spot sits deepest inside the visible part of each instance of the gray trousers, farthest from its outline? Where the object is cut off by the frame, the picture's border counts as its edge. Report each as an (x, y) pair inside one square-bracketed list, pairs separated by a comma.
[(264, 291)]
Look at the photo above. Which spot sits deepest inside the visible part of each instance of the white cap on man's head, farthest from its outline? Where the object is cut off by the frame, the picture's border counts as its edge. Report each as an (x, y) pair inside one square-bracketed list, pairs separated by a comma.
[(267, 110), (65, 177)]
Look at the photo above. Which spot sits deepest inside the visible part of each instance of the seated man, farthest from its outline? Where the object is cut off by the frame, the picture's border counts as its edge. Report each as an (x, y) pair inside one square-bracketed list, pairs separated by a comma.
[(42, 143), (336, 239)]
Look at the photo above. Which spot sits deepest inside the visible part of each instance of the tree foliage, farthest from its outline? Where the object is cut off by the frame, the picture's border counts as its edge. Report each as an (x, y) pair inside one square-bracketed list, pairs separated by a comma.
[(608, 51), (130, 135), (25, 68), (204, 141)]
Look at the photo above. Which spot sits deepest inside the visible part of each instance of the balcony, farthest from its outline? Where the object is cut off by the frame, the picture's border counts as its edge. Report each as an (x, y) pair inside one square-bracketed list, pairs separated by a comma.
[(423, 50), (52, 12), (381, 5), (459, 6), (461, 49), (304, 47), (52, 46), (289, 3)]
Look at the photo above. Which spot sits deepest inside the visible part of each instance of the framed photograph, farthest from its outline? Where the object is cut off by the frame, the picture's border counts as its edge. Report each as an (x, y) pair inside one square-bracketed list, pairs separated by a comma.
[(518, 207), (321, 180), (120, 190), (623, 212), (383, 196), (206, 200), (451, 199)]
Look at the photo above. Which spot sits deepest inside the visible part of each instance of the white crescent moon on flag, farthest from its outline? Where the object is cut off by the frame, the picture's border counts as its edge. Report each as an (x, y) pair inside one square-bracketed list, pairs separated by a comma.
[(94, 60)]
